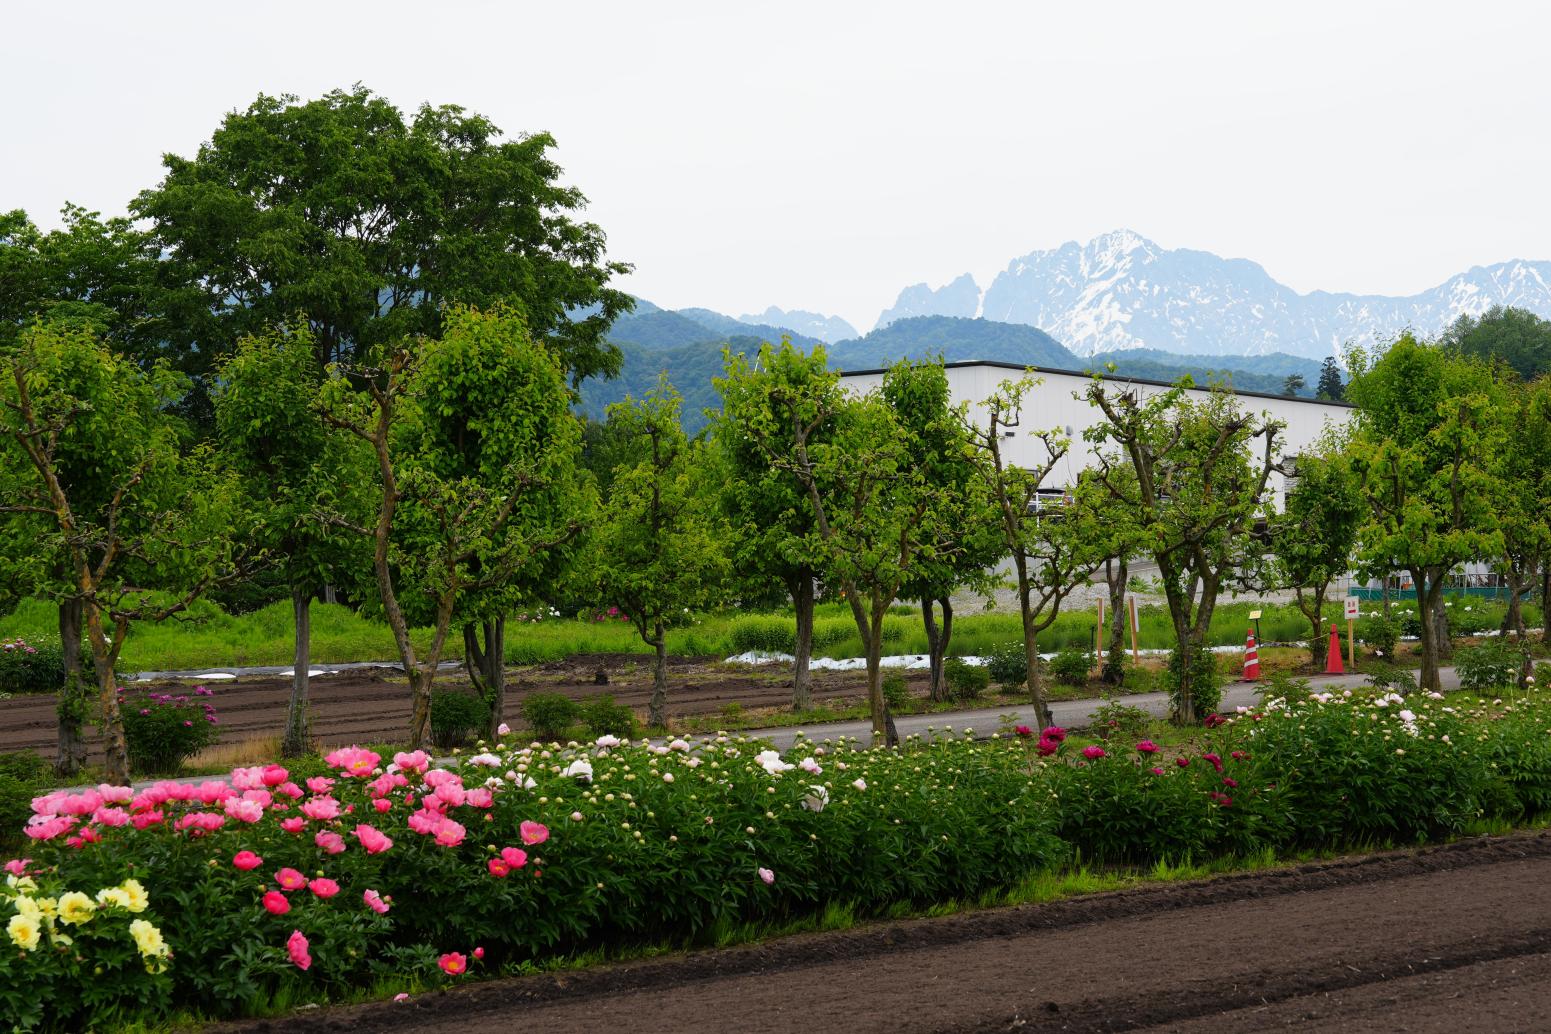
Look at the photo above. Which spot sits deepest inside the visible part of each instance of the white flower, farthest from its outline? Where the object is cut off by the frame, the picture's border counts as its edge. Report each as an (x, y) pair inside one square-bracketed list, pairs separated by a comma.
[(680, 745), (693, 762), (810, 766), (771, 762), (667, 777), (579, 769), (1435, 696), (503, 729), (487, 760), (1407, 716), (529, 783), (860, 784), (816, 799), (607, 741)]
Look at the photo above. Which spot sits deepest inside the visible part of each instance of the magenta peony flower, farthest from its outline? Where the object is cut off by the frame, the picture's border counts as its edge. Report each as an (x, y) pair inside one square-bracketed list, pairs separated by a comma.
[(1054, 732), (290, 879), (296, 947), (276, 903), (1093, 752), (1023, 731), (246, 861), (374, 840), (1147, 747), (534, 833), (330, 842), (294, 824), (515, 857), (1047, 746), (453, 963), (498, 868), (375, 902), (323, 887)]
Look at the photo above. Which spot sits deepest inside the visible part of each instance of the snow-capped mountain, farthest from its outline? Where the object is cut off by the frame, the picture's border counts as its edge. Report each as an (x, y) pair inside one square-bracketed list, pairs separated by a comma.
[(811, 324), (1122, 291)]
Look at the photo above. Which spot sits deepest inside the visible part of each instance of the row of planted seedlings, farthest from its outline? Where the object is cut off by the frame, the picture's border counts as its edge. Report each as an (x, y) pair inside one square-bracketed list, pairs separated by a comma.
[(247, 894)]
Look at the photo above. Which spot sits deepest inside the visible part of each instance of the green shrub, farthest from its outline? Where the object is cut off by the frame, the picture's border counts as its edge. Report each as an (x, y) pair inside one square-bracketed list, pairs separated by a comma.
[(35, 667), (163, 730), (549, 715), (1489, 667), (896, 691), (1008, 665), (603, 717), (965, 681), (1472, 615), (23, 776), (763, 633), (1071, 667), (457, 718), (1391, 678), (1118, 721), (1379, 633)]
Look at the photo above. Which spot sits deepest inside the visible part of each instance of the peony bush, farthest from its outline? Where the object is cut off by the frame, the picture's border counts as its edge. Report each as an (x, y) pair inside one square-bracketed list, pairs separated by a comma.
[(272, 887)]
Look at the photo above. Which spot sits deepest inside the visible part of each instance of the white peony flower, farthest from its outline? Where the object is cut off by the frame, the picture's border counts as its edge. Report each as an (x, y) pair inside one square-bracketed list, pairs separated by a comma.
[(579, 769), (860, 784), (607, 741), (816, 799), (771, 762)]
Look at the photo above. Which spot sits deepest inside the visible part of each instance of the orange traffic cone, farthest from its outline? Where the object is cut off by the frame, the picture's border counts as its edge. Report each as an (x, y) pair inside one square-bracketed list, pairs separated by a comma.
[(1251, 659), (1333, 654)]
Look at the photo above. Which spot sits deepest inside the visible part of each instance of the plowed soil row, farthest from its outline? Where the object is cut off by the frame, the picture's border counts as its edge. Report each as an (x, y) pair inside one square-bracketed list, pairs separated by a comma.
[(373, 706), (1443, 939)]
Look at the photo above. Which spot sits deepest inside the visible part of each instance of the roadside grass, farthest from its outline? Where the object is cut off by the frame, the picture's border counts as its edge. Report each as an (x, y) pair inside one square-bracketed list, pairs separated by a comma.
[(208, 636)]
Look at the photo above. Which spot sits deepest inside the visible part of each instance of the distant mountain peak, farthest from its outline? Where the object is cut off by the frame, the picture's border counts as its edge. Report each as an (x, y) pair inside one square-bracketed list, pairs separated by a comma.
[(810, 324), (959, 298)]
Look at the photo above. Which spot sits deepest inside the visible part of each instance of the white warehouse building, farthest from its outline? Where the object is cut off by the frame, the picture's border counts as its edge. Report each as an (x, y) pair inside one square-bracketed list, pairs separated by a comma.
[(1058, 403)]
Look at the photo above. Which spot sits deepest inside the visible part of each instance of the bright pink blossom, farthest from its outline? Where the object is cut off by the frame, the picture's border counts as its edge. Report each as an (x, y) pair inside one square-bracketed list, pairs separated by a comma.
[(290, 879), (1053, 732), (498, 868), (246, 861), (479, 953), (453, 963), (353, 761), (330, 842), (18, 866), (276, 903), (382, 804), (1047, 747), (320, 784), (1147, 747), (450, 833), (533, 832), (296, 947), (243, 810), (374, 840), (515, 857), (375, 902), (320, 809), (274, 775), (323, 887), (115, 794), (1093, 752), (479, 797), (48, 829), (111, 817), (294, 824), (142, 819), (414, 761)]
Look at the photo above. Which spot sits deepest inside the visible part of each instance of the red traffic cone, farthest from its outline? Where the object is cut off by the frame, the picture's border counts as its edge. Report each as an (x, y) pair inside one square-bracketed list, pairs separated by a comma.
[(1333, 654), (1251, 659)]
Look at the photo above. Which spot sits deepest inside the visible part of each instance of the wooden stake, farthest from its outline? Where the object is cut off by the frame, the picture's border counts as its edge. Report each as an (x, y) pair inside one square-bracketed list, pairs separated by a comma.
[(1351, 644), (1099, 639), (1136, 654)]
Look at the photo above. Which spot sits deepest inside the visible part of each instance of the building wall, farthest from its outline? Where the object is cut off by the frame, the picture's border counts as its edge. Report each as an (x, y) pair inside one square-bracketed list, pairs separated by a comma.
[(1058, 403)]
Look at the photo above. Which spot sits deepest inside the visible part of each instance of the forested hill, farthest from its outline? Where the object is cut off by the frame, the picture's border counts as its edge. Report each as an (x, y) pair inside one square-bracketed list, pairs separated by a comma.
[(688, 345)]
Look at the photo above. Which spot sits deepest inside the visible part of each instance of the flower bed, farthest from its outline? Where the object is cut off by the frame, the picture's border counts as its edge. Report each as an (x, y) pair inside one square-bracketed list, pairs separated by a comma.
[(260, 890)]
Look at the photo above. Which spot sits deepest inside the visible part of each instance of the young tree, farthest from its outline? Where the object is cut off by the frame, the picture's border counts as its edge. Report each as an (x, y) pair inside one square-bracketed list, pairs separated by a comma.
[(1518, 338), (89, 446), (937, 442), (767, 508), (1293, 384), (1330, 387), (1314, 536), (471, 438), (369, 225), (1520, 476), (1200, 471), (1052, 550), (1421, 442), (1118, 542), (290, 462), (657, 550)]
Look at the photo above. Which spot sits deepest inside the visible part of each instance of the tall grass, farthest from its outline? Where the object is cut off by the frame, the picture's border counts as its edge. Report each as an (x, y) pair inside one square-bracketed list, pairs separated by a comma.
[(208, 636)]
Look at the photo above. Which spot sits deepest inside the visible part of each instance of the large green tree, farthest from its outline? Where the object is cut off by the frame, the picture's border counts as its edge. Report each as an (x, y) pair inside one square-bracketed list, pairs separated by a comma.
[(938, 443), (1519, 472), (1516, 337), (657, 550), (1315, 534), (292, 465), (474, 452), (87, 444), (1053, 547), (367, 225), (1330, 388), (769, 514), (1422, 442), (1200, 469)]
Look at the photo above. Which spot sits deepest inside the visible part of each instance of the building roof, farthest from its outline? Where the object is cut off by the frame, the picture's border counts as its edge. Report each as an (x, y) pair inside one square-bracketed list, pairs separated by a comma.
[(1000, 365)]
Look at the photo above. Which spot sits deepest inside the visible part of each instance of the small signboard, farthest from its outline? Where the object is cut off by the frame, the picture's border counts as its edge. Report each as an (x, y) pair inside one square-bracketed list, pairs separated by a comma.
[(1351, 608)]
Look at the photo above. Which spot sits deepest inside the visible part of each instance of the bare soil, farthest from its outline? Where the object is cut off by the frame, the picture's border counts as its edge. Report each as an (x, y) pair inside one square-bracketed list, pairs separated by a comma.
[(1442, 939), (364, 706)]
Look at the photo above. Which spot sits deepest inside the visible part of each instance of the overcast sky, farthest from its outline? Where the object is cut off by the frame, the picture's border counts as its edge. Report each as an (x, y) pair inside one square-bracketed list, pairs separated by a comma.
[(824, 155)]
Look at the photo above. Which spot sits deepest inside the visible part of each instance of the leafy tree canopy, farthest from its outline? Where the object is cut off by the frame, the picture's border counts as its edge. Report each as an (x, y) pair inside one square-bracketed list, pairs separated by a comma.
[(1518, 337)]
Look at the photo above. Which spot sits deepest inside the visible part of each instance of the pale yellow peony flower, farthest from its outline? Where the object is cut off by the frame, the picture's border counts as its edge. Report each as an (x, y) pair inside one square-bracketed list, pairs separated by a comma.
[(138, 898), (24, 884), (113, 896), (148, 939), (75, 908), (28, 907), (24, 931)]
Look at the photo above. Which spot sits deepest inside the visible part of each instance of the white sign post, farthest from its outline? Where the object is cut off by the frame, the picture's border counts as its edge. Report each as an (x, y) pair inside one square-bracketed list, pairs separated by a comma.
[(1351, 638)]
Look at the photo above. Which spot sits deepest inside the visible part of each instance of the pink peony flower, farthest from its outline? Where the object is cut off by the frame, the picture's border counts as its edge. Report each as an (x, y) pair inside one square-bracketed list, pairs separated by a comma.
[(246, 861), (320, 784), (330, 842), (294, 824), (414, 761), (323, 887), (1182, 762), (1157, 771), (372, 839), (498, 868), (479, 798), (321, 809), (1093, 752), (382, 804), (290, 879), (1053, 732), (115, 794), (1047, 746), (479, 953), (276, 903), (1147, 747), (353, 761), (296, 947), (142, 819), (1213, 760), (453, 963), (766, 875), (533, 833), (290, 790), (49, 828), (375, 902), (515, 857), (274, 775), (1024, 731), (18, 866), (243, 810), (449, 833), (110, 817)]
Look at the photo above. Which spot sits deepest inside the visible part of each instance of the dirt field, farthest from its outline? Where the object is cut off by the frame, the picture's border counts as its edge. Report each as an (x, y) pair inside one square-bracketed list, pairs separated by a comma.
[(1456, 938), (357, 706)]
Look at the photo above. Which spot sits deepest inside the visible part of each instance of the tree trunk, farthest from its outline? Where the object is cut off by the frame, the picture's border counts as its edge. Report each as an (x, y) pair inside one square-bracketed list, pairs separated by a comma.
[(935, 648), (1319, 642), (657, 710), (883, 731), (1034, 680), (486, 665), (420, 679), (802, 654), (115, 746), (1384, 594), (1443, 642), (1545, 599), (329, 595), (297, 740), (74, 694), (947, 626), (1115, 575), (1427, 598)]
